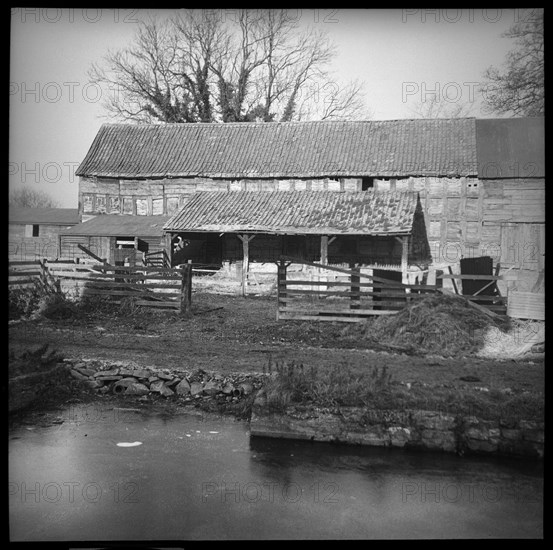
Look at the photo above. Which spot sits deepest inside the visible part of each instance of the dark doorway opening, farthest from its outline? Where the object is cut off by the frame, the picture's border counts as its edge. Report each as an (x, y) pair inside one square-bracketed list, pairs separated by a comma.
[(367, 183)]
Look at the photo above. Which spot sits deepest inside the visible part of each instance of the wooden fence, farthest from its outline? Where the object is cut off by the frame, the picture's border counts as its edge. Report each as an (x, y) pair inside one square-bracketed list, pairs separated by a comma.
[(159, 258), (168, 288), (348, 301), (24, 274), (356, 298), (497, 304)]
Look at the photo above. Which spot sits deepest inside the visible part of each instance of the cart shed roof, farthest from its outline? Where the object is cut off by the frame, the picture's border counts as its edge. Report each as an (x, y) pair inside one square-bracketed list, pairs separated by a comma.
[(297, 212)]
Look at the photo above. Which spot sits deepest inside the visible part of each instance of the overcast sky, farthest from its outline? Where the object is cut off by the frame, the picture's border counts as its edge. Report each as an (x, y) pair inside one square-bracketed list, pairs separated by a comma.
[(402, 56)]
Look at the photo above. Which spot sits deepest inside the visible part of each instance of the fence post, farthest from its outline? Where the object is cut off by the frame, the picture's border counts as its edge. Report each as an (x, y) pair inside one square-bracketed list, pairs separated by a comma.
[(281, 285), (355, 288), (186, 288)]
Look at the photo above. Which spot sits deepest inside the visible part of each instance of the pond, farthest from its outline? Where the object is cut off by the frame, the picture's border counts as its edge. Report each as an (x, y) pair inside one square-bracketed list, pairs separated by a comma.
[(109, 473)]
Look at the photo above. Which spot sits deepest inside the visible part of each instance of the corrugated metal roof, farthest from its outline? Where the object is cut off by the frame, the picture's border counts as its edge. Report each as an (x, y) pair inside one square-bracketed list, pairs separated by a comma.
[(112, 225), (438, 147), (511, 147), (45, 216), (300, 212)]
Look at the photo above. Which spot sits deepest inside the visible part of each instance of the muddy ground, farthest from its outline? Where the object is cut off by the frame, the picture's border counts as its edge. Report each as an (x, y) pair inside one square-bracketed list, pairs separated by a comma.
[(234, 334)]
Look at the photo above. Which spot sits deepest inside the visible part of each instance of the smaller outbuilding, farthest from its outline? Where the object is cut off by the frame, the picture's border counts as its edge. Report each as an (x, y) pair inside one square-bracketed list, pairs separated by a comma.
[(118, 239), (35, 232)]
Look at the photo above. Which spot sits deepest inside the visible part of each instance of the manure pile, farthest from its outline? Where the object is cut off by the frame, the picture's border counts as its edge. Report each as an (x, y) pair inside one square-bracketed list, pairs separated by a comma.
[(440, 324)]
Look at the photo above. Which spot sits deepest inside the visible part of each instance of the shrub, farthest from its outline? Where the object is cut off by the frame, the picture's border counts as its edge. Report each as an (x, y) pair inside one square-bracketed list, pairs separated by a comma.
[(55, 306), (22, 302)]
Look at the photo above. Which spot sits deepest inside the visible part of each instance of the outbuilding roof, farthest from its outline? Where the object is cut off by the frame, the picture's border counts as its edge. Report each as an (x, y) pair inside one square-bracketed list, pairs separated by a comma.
[(297, 212), (43, 216), (111, 225), (387, 148)]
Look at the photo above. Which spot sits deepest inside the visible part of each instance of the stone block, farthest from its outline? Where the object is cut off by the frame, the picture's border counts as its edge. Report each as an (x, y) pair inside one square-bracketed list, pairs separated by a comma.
[(196, 388), (142, 373), (183, 387), (246, 388), (434, 421), (478, 434), (212, 387), (83, 370), (511, 434), (399, 436), (126, 372), (533, 435), (157, 386), (112, 372)]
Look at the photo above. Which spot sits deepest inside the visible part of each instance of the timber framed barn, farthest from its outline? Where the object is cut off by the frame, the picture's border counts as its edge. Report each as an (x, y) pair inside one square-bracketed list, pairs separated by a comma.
[(464, 207)]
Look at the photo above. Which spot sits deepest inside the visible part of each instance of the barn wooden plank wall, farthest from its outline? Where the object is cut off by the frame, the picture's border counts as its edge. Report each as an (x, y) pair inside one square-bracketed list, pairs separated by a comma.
[(464, 216), (468, 217), (151, 197)]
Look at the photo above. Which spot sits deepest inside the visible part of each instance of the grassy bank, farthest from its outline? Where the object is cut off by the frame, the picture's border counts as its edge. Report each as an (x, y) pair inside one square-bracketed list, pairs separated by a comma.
[(343, 386)]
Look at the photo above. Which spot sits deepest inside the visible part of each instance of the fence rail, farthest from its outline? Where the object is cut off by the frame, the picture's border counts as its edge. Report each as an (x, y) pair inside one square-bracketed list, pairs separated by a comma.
[(364, 295), (23, 273), (157, 287), (32, 273)]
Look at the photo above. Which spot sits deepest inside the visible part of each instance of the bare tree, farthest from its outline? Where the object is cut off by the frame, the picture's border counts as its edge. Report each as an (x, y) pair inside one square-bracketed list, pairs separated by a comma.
[(27, 197), (198, 67), (437, 107), (331, 101), (518, 89)]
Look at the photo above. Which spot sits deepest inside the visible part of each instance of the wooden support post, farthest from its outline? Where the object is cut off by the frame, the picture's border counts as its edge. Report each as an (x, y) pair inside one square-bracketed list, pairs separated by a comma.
[(186, 288), (324, 259), (246, 261), (168, 248), (355, 288), (281, 285), (324, 249), (404, 258)]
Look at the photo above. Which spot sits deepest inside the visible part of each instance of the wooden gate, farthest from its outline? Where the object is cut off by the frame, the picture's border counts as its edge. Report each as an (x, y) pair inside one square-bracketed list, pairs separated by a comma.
[(350, 297)]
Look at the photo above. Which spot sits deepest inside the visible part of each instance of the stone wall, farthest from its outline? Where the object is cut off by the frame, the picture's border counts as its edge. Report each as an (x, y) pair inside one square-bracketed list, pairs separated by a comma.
[(415, 429)]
